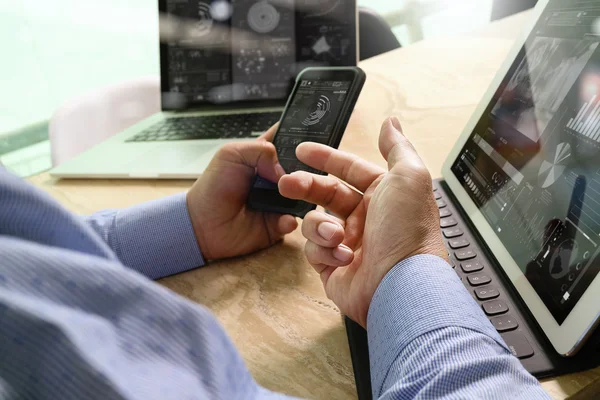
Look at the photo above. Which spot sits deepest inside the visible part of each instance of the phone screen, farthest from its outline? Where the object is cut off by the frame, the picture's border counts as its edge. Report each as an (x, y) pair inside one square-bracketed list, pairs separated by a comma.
[(318, 111), (311, 116)]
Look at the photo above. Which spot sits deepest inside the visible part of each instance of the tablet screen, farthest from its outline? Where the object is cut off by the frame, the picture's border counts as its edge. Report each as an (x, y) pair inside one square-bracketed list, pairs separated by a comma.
[(532, 163)]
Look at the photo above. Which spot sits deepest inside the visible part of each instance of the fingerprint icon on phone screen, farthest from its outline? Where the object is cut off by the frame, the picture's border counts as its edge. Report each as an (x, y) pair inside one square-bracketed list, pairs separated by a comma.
[(317, 111)]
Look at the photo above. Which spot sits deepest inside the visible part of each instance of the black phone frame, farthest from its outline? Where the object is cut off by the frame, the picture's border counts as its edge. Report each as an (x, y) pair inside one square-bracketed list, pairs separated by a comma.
[(270, 200)]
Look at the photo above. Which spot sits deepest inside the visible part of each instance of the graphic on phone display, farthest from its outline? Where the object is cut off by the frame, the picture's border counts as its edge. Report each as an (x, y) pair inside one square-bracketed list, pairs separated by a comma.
[(321, 109), (311, 117)]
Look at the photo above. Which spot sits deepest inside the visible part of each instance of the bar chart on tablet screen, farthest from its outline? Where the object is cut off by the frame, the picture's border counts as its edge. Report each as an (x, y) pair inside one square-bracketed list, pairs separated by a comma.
[(587, 120)]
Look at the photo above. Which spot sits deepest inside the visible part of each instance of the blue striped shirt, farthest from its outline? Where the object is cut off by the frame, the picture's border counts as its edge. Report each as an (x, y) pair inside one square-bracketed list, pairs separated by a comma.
[(80, 317)]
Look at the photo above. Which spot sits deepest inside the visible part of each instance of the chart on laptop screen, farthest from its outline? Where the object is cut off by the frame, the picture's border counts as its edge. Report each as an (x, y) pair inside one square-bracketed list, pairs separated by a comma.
[(532, 164), (236, 50)]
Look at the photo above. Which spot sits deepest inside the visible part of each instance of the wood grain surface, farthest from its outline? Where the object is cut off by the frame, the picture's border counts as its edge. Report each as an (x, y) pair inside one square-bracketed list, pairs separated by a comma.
[(271, 303)]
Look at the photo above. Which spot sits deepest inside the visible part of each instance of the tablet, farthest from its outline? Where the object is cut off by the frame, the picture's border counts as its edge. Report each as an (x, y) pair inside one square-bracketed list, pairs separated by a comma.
[(526, 169)]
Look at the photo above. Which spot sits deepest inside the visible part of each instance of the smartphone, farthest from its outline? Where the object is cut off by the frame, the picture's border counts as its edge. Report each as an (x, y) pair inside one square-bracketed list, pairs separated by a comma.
[(318, 111)]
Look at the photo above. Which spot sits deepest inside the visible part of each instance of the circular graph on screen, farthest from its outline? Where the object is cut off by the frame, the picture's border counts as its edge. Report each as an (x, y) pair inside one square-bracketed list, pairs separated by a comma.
[(204, 21), (560, 261), (319, 110), (263, 17), (550, 171)]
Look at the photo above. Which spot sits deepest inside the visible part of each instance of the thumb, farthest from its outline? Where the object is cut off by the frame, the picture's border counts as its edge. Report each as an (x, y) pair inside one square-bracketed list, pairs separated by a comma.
[(258, 155), (395, 147), (270, 133)]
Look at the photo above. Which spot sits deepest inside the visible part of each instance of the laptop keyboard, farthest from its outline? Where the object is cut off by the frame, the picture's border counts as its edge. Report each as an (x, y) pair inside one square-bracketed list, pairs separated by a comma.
[(229, 126), (478, 278)]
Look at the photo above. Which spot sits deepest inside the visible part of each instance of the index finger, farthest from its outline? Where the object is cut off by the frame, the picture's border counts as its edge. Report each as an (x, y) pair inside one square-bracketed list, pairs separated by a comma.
[(348, 167)]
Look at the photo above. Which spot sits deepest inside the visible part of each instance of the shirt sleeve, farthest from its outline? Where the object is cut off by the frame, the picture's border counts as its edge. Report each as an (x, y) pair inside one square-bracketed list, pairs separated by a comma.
[(428, 338), (155, 238), (79, 326)]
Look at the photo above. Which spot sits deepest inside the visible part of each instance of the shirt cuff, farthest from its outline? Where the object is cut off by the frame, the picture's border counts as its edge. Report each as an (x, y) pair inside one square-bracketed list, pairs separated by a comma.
[(419, 295), (157, 239)]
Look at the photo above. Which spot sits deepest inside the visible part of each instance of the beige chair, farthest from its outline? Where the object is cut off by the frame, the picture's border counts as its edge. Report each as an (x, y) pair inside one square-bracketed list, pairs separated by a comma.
[(89, 119)]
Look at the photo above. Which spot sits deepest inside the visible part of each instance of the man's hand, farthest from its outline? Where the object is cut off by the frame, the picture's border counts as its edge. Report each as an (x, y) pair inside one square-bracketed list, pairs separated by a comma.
[(224, 225), (390, 217)]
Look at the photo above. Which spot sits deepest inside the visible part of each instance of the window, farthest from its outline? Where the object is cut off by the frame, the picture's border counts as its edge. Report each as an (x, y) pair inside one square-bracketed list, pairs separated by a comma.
[(55, 50)]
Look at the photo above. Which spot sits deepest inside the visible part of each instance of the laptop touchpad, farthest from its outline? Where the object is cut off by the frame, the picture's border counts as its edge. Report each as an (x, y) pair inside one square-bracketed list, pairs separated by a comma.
[(168, 158)]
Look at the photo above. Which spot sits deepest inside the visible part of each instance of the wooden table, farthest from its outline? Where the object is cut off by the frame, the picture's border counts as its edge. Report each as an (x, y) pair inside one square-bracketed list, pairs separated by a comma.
[(271, 303)]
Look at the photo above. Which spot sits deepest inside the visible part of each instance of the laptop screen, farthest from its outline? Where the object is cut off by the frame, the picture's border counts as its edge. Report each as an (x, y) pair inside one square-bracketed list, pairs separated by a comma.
[(532, 164), (232, 51)]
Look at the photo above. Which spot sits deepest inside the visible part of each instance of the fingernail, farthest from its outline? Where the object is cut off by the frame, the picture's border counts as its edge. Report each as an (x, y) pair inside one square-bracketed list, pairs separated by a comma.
[(396, 124), (327, 230), (343, 253), (279, 169)]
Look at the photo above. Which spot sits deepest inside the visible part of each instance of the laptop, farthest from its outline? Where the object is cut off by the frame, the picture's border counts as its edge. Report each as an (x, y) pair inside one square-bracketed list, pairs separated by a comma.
[(227, 68), (519, 202)]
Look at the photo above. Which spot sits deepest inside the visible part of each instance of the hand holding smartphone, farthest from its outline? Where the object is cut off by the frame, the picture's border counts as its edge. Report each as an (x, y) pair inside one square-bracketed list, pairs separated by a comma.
[(318, 110)]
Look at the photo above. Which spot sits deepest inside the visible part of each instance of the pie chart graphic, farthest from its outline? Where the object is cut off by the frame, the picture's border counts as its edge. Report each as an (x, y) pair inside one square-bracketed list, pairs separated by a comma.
[(550, 171)]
